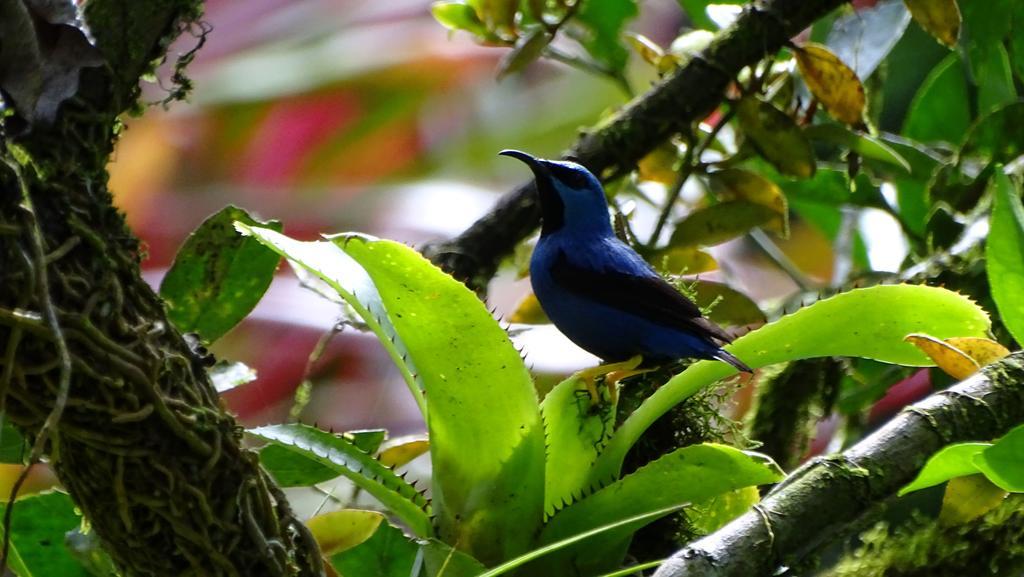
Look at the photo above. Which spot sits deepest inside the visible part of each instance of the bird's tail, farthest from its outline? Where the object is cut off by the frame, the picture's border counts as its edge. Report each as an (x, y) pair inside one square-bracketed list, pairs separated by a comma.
[(727, 357)]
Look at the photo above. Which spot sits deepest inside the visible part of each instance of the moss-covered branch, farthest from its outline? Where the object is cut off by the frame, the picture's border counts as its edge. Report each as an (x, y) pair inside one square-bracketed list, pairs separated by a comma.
[(682, 98), (820, 501), (992, 544), (139, 436)]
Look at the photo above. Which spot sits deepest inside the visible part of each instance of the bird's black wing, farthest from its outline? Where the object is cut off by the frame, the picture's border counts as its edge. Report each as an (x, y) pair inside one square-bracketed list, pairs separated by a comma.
[(646, 296)]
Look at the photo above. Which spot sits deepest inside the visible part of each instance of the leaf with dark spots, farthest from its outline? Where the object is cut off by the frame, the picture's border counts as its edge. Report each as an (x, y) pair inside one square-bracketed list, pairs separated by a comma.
[(218, 276), (43, 52)]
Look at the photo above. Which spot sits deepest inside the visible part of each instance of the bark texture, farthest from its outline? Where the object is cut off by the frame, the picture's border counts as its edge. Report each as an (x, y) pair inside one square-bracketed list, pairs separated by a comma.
[(821, 500), (89, 363)]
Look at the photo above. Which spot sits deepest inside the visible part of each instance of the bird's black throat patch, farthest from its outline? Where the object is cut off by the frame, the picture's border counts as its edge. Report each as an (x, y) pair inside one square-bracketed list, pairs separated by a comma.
[(552, 209)]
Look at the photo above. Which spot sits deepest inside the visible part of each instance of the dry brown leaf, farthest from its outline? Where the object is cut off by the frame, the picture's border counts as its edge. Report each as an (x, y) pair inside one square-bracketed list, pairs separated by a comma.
[(833, 83), (959, 357), (983, 351), (947, 357)]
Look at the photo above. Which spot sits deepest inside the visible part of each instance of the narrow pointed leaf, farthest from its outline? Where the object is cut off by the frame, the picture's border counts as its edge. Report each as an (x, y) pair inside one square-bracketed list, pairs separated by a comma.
[(868, 323), (351, 282), (1004, 256), (558, 545), (304, 443), (693, 473)]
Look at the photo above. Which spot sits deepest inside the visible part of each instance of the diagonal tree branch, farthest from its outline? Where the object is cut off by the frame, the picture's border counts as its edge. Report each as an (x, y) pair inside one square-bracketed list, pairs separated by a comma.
[(686, 96), (821, 500)]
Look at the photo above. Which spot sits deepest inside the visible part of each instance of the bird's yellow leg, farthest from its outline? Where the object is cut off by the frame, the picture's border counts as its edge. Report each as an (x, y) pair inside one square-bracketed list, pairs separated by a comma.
[(612, 373)]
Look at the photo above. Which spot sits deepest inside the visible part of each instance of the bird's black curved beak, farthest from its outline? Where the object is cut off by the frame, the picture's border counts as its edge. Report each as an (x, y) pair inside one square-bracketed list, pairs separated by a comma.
[(551, 205), (535, 164)]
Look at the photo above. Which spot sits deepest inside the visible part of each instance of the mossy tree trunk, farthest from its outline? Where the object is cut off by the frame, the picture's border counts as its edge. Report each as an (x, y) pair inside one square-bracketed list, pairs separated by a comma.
[(90, 364)]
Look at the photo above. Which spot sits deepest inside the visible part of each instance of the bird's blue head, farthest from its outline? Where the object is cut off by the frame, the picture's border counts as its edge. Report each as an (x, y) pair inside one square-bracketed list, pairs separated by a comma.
[(571, 197)]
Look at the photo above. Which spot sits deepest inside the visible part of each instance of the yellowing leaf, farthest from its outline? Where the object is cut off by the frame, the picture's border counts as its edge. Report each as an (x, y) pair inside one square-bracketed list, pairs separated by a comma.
[(400, 451), (338, 531), (968, 498), (528, 312), (660, 165), (940, 18), (983, 351), (947, 357), (39, 479), (776, 137), (738, 184), (683, 260), (833, 83), (646, 48)]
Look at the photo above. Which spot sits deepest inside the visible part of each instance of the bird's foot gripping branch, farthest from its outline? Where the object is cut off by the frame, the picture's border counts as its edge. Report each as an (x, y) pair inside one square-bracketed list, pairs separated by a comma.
[(533, 486)]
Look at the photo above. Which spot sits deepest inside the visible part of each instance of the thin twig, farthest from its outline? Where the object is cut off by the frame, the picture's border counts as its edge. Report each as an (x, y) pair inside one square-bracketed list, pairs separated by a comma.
[(773, 252), (691, 159)]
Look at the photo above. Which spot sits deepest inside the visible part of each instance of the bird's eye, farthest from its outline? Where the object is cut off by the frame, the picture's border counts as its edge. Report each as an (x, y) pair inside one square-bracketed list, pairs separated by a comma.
[(572, 178)]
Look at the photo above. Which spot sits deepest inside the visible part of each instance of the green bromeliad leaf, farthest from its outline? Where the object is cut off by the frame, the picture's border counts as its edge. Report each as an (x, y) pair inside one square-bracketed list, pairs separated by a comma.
[(483, 418), (576, 432), (486, 438), (867, 323), (687, 475), (305, 444)]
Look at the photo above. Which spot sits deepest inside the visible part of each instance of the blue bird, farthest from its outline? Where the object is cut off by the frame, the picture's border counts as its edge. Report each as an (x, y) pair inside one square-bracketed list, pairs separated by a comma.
[(599, 292)]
